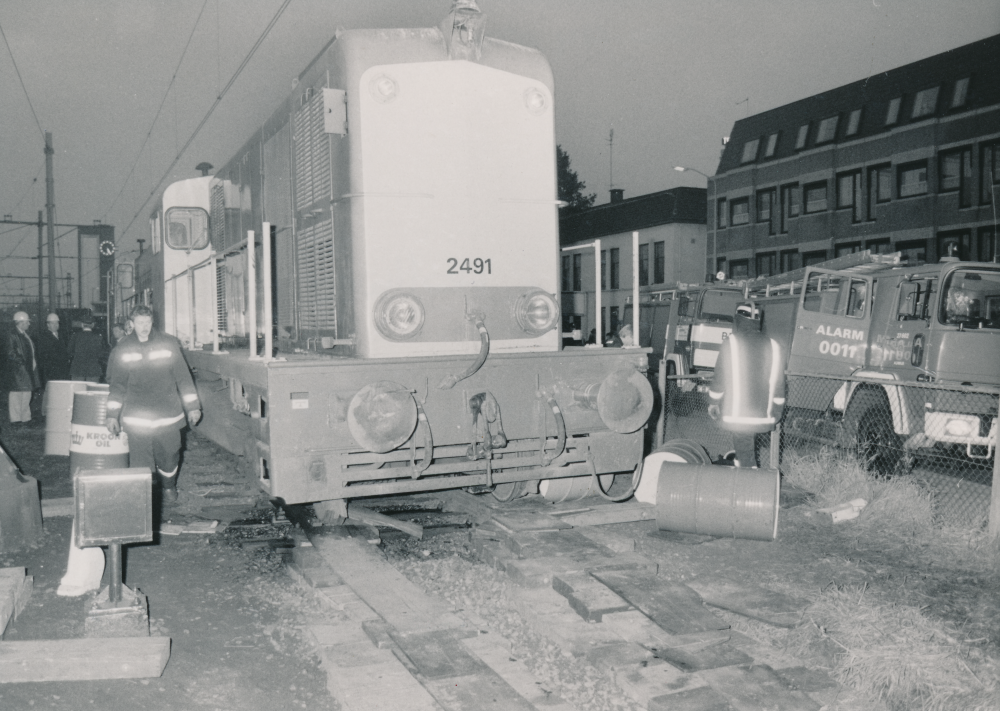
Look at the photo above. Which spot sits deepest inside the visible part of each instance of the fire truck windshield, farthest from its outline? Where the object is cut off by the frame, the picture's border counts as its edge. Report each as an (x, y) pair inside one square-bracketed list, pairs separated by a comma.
[(971, 299), (720, 305)]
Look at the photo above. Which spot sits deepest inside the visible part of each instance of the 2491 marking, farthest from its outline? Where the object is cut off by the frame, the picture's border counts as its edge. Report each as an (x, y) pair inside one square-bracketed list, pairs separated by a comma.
[(470, 266)]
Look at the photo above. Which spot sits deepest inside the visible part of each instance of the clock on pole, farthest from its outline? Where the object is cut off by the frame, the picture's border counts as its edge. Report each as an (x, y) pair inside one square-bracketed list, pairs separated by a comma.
[(107, 248)]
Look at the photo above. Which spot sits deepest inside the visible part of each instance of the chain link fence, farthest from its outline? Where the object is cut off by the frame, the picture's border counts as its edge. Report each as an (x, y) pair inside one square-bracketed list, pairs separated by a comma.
[(943, 437)]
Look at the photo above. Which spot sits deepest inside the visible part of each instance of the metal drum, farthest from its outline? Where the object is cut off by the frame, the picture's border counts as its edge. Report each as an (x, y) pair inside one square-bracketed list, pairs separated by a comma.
[(93, 447), (712, 500), (573, 488), (58, 407)]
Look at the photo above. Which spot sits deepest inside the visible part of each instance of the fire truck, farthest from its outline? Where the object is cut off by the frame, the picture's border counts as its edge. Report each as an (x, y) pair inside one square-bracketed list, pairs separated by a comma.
[(854, 331)]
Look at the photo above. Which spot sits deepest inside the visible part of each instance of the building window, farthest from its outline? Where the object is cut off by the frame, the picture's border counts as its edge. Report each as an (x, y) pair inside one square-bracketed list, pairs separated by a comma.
[(990, 166), (800, 139), (925, 102), (614, 320), (615, 265), (892, 114), (720, 266), (659, 262), (960, 93), (578, 272), (987, 240), (811, 258), (720, 213), (879, 187), (790, 201), (790, 260), (955, 174), (644, 264), (750, 151), (604, 269), (766, 264), (842, 250), (566, 272), (739, 269), (739, 211), (815, 197), (765, 204), (879, 246), (913, 251), (853, 122), (913, 179), (827, 130), (849, 193), (772, 144)]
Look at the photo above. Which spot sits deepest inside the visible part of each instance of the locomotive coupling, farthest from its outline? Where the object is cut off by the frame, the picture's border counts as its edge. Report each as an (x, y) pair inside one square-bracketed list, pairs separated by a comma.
[(624, 400)]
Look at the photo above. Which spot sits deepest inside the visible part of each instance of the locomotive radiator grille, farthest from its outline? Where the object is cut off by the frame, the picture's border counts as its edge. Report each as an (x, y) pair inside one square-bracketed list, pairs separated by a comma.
[(317, 278), (312, 155)]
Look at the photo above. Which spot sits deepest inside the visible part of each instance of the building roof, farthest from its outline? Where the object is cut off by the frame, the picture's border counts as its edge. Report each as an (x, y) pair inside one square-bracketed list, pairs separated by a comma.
[(685, 205), (976, 62)]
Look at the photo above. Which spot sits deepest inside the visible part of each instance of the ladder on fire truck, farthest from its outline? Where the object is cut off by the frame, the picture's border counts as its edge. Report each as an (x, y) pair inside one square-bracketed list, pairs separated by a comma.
[(786, 283)]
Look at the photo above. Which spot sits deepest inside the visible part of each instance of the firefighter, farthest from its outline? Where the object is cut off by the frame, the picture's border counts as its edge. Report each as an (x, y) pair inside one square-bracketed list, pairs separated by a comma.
[(152, 395), (748, 389)]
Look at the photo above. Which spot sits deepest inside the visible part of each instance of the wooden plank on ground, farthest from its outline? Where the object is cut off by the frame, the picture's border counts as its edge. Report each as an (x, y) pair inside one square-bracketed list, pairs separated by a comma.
[(655, 679), (517, 521), (363, 677), (84, 659), (383, 588), (673, 606), (497, 656), (617, 513), (373, 518), (590, 598), (755, 687), (750, 600)]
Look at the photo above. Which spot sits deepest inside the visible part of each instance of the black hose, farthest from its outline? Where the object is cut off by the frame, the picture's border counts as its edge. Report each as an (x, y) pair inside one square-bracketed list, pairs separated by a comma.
[(428, 444), (561, 426), (484, 350)]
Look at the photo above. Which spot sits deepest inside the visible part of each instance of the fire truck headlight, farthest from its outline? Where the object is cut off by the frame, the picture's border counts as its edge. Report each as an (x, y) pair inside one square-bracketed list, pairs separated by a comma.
[(382, 416), (398, 315), (960, 427), (536, 312)]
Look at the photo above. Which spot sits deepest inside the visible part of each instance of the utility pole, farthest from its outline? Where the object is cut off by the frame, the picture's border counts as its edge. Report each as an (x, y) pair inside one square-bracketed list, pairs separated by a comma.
[(41, 277), (50, 204)]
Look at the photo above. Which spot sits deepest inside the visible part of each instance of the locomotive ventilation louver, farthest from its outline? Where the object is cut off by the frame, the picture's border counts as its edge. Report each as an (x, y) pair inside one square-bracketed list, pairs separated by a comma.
[(382, 416)]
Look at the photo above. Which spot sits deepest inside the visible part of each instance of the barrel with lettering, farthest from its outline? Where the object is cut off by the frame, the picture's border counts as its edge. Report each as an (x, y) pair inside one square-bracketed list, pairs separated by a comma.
[(58, 407), (93, 447)]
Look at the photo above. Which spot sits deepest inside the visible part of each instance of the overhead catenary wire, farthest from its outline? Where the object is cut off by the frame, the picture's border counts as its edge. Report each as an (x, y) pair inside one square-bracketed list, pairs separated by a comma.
[(21, 80), (211, 110), (159, 110)]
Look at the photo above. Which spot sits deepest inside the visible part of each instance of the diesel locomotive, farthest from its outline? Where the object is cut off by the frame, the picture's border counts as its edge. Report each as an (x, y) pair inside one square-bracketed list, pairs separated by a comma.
[(367, 291)]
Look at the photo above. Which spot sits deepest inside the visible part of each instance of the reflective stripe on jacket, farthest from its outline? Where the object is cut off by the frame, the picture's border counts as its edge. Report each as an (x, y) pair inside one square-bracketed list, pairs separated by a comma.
[(151, 385), (749, 383)]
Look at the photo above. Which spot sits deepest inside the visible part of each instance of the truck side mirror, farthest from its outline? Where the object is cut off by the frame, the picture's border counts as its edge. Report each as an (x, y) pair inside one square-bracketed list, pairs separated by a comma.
[(909, 301)]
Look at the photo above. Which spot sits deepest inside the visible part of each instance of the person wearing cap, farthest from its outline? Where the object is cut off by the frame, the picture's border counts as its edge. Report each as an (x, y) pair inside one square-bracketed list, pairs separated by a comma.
[(53, 358), (152, 397), (747, 393), (87, 355), (21, 369)]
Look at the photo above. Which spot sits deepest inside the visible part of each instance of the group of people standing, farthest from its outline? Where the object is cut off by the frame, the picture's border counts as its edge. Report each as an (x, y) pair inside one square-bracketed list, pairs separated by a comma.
[(51, 354)]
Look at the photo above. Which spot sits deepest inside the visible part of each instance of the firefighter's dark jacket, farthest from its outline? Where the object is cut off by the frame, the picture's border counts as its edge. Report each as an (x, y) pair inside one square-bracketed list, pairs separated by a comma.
[(749, 383), (151, 385)]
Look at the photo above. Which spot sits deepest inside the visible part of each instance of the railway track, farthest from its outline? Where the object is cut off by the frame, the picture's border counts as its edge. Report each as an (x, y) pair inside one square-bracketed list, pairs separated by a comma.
[(528, 605)]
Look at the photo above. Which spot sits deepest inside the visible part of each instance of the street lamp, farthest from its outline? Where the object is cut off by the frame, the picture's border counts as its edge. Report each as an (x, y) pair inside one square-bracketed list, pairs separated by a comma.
[(715, 216)]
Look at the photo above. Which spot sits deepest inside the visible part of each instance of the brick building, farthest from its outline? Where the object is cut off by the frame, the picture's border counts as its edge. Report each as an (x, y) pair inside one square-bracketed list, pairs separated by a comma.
[(672, 243), (907, 160)]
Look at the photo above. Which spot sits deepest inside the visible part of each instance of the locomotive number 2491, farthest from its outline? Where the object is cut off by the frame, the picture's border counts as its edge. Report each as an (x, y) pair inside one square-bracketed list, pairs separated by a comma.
[(470, 266)]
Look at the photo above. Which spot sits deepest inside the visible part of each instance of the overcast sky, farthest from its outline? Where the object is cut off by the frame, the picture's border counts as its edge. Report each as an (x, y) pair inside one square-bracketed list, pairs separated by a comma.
[(669, 77)]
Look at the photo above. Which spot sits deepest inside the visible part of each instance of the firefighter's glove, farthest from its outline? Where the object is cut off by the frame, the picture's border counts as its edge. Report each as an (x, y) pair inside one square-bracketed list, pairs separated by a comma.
[(714, 412), (113, 427), (194, 417)]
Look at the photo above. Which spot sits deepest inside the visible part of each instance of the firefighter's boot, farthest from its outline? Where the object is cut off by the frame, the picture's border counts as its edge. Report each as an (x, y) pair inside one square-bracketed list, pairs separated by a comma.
[(168, 485)]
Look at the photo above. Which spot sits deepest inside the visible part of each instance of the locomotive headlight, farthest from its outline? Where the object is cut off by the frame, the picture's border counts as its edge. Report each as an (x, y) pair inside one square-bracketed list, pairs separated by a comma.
[(536, 312), (535, 101), (398, 315)]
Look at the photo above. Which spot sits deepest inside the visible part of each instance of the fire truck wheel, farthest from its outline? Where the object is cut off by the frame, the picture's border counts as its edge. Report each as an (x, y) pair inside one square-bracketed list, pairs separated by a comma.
[(879, 448)]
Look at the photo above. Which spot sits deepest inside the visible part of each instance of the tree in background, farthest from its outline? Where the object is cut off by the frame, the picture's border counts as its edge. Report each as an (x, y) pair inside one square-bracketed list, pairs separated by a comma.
[(570, 186)]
